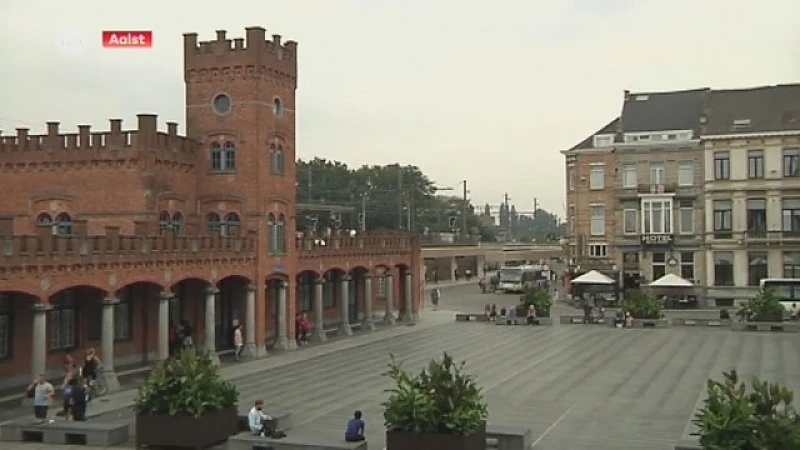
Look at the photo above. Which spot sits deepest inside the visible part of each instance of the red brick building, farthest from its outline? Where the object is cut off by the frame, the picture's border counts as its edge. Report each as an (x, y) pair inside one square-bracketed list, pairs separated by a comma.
[(108, 237)]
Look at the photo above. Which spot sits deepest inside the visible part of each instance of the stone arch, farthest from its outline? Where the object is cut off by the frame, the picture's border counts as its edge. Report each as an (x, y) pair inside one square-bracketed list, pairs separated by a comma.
[(74, 316), (381, 269), (401, 286), (20, 292), (190, 278), (305, 289), (142, 278)]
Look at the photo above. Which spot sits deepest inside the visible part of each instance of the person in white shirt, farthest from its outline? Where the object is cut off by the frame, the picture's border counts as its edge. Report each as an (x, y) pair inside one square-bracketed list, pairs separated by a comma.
[(260, 422), (238, 342)]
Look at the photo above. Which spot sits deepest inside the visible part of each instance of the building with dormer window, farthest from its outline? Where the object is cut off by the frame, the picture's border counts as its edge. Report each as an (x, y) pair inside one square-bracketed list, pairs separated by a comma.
[(751, 150)]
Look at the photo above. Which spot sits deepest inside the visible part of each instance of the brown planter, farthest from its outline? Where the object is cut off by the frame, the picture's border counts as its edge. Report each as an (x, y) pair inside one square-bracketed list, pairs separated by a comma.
[(767, 318), (186, 431), (401, 440)]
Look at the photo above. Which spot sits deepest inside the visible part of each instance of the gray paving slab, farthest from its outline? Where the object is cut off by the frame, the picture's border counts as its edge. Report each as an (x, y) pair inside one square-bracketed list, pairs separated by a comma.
[(577, 387)]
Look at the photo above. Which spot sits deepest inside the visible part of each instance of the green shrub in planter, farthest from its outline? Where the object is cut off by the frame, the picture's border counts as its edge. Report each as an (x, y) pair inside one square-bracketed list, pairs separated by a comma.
[(189, 384), (765, 306), (735, 419), (642, 304), (185, 403), (539, 298), (441, 399)]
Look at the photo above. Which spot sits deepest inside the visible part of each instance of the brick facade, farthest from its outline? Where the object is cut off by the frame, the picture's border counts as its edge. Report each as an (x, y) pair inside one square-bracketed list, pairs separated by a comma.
[(133, 214)]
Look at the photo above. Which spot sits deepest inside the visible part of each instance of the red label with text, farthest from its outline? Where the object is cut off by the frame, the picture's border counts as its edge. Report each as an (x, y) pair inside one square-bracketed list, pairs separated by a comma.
[(127, 39)]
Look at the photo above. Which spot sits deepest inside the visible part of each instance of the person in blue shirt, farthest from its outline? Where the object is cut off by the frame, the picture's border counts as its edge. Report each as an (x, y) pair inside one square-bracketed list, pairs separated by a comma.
[(355, 429)]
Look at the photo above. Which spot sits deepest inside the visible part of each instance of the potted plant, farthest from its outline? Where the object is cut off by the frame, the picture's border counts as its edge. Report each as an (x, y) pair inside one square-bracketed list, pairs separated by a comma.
[(185, 402), (642, 304), (765, 307), (734, 417), (539, 298), (441, 408)]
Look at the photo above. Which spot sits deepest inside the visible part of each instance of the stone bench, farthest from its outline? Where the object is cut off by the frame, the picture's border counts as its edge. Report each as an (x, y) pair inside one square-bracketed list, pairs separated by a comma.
[(471, 318), (650, 323), (702, 322), (250, 441), (789, 327), (62, 432), (283, 419), (524, 321), (509, 437), (578, 320)]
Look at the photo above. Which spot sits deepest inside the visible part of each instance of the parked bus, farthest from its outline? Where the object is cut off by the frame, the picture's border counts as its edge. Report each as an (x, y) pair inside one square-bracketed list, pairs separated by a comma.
[(517, 278), (787, 289)]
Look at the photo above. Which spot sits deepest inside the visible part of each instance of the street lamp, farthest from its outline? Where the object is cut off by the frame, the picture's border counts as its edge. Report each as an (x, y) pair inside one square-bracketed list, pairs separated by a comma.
[(364, 196)]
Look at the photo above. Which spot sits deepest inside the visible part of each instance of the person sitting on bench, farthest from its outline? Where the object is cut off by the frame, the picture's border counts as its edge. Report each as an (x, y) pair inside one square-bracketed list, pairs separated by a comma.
[(355, 429), (260, 422)]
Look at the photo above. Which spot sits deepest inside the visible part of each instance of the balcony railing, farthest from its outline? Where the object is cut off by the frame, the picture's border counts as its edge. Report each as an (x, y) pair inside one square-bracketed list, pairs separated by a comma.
[(22, 250), (320, 244)]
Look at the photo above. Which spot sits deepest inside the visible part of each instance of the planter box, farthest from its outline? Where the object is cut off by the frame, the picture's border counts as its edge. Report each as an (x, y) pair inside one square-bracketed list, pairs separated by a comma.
[(650, 323), (789, 327), (400, 440), (702, 322), (186, 431), (767, 318)]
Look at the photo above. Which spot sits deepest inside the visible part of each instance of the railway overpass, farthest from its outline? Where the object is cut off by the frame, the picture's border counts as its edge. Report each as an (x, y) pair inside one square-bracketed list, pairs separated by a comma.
[(446, 259)]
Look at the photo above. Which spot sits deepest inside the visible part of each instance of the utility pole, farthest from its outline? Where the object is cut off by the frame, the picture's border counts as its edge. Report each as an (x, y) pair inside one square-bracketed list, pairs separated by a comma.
[(408, 217), (464, 210), (535, 206)]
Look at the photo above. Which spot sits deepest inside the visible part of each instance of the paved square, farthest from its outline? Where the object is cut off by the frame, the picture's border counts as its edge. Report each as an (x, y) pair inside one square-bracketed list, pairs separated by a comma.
[(576, 387)]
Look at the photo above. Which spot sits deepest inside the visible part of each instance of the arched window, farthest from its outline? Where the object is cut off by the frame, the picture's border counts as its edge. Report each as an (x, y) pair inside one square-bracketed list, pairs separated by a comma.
[(230, 227), (223, 157), (44, 220), (177, 223), (276, 159), (164, 222), (272, 234), (280, 229), (213, 223), (63, 225)]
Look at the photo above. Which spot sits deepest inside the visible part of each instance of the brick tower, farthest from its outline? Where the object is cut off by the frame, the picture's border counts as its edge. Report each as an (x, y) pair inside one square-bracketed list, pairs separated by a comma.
[(240, 105)]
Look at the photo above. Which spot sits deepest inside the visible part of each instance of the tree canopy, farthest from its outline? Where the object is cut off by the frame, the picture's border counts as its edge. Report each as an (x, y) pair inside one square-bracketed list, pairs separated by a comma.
[(393, 196)]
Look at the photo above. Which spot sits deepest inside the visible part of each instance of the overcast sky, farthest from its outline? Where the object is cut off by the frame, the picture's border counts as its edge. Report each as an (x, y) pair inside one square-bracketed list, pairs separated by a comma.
[(465, 89)]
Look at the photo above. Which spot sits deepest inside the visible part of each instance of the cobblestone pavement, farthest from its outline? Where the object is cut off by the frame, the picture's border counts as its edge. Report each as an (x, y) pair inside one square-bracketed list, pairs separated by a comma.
[(577, 387)]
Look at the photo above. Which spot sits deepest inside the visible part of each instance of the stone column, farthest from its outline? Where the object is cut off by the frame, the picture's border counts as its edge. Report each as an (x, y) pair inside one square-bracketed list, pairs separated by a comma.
[(250, 348), (281, 341), (369, 322), (163, 324), (388, 316), (319, 312), (210, 344), (107, 344), (39, 343), (408, 298), (344, 326)]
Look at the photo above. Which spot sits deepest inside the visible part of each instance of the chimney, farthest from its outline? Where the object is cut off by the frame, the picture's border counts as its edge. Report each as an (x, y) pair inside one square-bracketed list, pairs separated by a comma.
[(83, 136), (238, 44), (221, 35), (626, 94), (276, 39), (52, 129), (255, 37), (172, 129), (189, 42), (146, 129), (22, 138), (116, 126)]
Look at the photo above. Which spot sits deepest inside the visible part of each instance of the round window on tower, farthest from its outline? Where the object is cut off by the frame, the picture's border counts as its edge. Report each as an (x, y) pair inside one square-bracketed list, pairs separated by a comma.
[(277, 107), (221, 104)]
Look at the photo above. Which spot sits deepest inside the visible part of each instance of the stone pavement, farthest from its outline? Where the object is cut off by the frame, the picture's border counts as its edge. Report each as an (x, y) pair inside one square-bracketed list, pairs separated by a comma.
[(578, 388)]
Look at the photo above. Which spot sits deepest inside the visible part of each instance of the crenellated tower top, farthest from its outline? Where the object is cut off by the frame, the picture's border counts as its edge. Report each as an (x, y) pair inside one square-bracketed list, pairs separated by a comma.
[(239, 58), (96, 145)]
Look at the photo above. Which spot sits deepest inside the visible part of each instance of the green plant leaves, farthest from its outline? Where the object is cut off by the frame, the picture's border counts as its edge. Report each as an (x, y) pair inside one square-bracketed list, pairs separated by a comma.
[(734, 419), (539, 298), (765, 306), (441, 399), (642, 304), (189, 384)]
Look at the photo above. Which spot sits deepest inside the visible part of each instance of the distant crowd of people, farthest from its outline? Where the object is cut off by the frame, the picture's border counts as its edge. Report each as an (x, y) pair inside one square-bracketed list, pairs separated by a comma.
[(77, 387)]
